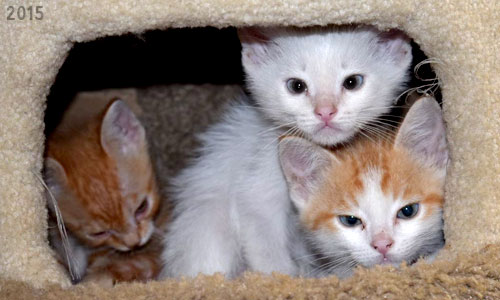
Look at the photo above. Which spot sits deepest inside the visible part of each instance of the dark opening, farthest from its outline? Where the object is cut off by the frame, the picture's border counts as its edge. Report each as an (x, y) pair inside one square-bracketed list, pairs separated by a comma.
[(183, 56), (156, 64)]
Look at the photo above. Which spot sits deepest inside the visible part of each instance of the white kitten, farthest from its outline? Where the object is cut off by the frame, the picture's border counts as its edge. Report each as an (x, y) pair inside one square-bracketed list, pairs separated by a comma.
[(373, 202), (232, 206)]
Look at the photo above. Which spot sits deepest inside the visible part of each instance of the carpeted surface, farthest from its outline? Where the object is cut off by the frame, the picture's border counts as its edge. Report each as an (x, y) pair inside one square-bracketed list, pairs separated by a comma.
[(460, 36), (468, 277), (172, 115)]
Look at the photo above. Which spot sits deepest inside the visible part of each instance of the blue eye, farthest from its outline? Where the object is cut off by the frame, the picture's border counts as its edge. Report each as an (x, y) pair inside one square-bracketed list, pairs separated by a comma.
[(408, 212), (353, 82), (350, 221)]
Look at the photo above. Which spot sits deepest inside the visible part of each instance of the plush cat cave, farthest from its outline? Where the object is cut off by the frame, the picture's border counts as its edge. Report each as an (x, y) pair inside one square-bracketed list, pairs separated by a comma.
[(460, 37)]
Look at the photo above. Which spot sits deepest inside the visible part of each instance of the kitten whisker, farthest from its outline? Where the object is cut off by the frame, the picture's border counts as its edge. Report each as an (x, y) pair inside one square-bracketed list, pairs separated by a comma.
[(378, 133), (264, 132), (366, 116), (378, 108), (425, 89), (260, 133), (382, 124), (72, 263), (332, 267), (264, 109), (384, 119), (292, 130), (367, 136)]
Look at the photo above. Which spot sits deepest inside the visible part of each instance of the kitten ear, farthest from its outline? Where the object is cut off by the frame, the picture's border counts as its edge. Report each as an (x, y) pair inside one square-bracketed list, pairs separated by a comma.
[(255, 45), (121, 132), (55, 178), (303, 164), (423, 133), (396, 45)]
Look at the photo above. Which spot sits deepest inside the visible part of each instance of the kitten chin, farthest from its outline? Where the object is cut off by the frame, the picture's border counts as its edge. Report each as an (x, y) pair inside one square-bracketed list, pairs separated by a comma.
[(372, 202), (330, 136)]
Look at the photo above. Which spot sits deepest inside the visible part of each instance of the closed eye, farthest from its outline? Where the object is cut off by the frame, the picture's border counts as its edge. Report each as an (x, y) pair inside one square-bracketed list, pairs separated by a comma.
[(141, 211), (100, 234)]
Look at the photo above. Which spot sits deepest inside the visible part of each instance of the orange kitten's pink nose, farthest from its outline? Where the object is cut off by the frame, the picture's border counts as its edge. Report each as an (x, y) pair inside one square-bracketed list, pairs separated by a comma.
[(382, 242), (325, 112), (131, 240)]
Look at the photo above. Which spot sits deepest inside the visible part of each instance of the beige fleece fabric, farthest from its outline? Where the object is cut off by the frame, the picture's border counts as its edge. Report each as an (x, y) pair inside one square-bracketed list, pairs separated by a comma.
[(467, 277), (460, 36)]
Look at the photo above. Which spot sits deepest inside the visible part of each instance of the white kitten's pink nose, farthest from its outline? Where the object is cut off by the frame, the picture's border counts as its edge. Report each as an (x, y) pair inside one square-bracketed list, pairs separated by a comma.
[(325, 112), (382, 242)]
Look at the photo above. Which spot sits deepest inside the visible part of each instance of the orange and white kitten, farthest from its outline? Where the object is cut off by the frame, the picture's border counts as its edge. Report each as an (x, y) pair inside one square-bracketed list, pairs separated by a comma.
[(102, 179), (374, 202)]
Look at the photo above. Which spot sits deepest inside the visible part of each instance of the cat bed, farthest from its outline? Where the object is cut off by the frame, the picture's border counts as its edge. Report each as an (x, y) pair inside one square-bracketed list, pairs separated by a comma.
[(461, 38)]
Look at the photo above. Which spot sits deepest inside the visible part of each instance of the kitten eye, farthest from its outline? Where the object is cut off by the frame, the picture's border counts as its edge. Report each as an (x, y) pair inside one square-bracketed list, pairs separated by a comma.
[(353, 82), (350, 221), (408, 212), (141, 210), (100, 234), (296, 86)]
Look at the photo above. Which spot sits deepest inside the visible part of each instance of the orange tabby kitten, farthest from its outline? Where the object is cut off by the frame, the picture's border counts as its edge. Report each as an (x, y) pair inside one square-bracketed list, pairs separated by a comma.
[(371, 202), (102, 178)]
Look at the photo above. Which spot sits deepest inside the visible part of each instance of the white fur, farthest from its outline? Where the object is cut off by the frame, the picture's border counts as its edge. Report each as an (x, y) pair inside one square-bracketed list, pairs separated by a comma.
[(323, 59), (303, 164), (232, 205), (69, 252), (423, 135), (233, 211), (350, 246)]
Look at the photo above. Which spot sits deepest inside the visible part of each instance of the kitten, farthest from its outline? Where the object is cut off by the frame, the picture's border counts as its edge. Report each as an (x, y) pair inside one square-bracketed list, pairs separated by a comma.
[(232, 207), (372, 202), (102, 179)]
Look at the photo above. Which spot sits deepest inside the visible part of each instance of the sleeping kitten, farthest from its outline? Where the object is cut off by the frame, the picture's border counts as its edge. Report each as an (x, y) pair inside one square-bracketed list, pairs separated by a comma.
[(372, 202), (102, 179), (232, 203)]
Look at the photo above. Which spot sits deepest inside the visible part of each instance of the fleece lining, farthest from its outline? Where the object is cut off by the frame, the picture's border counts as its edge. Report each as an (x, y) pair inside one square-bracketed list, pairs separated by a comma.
[(461, 37)]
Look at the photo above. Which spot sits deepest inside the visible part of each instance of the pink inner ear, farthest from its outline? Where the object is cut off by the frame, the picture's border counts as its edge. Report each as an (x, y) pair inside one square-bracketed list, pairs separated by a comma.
[(127, 125), (299, 164), (394, 34), (255, 44), (252, 35), (303, 161), (396, 42), (423, 132), (121, 131)]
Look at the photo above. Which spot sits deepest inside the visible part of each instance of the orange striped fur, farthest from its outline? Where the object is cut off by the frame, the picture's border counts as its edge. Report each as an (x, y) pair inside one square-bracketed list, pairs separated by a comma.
[(100, 193), (400, 175)]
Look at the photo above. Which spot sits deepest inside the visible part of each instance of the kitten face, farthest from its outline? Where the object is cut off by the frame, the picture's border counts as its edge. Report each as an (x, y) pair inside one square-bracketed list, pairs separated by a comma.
[(327, 83), (103, 181), (372, 203), (394, 214)]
